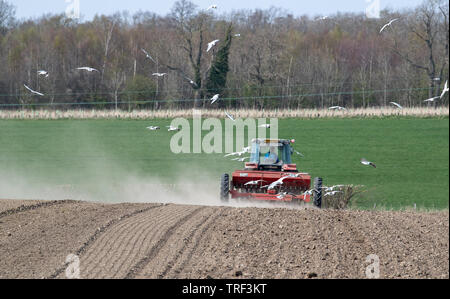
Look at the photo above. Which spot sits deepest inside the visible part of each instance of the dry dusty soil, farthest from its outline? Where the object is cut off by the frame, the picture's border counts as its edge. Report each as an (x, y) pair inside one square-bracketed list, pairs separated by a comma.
[(176, 241)]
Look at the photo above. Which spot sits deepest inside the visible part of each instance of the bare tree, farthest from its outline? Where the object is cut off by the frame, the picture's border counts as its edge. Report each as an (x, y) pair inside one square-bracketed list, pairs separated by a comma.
[(7, 13), (425, 26)]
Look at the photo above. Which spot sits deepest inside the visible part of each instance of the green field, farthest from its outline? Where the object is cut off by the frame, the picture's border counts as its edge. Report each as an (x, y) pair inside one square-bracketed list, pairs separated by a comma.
[(411, 154)]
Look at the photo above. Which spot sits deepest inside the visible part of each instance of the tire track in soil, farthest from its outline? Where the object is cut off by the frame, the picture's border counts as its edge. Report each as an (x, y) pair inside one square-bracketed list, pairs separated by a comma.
[(31, 207), (153, 252), (100, 231), (199, 238), (133, 242), (128, 240), (114, 253), (182, 248)]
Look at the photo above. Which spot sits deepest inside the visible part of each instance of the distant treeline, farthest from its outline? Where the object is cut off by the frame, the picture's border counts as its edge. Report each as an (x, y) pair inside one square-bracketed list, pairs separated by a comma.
[(264, 59)]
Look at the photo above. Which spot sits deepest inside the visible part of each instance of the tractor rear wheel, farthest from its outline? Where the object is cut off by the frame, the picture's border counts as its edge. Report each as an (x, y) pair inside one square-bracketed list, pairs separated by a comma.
[(318, 192), (224, 187)]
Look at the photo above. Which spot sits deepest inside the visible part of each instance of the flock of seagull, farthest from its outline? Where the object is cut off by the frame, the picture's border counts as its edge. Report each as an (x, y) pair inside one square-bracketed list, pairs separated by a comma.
[(216, 97), (45, 74), (329, 191)]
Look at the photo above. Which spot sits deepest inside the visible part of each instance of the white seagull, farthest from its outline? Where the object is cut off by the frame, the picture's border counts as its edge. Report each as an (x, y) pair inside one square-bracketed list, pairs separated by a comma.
[(321, 18), (298, 153), (215, 98), (244, 151), (388, 24), (253, 182), (396, 104), (237, 35), (365, 162), (171, 128), (35, 92), (332, 188), (43, 73), (229, 116), (240, 159), (445, 90), (86, 68), (282, 195), (264, 126), (276, 183), (432, 99), (148, 55), (212, 44), (159, 74), (152, 128), (332, 193), (214, 6), (190, 81), (337, 107)]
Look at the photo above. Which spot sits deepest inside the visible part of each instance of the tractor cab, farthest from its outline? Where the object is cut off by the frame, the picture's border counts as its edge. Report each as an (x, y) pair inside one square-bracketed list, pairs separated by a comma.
[(271, 154)]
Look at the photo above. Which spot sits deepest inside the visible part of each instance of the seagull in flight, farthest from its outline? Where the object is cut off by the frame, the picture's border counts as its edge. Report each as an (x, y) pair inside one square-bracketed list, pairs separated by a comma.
[(322, 18), (332, 188), (244, 150), (159, 74), (432, 99), (237, 35), (445, 90), (153, 128), (191, 81), (298, 153), (148, 55), (253, 182), (35, 92), (43, 73), (229, 116), (212, 44), (276, 183), (89, 69), (215, 98), (337, 108), (214, 6), (332, 193), (240, 159), (264, 126), (368, 163), (396, 104), (172, 128), (282, 195), (388, 24)]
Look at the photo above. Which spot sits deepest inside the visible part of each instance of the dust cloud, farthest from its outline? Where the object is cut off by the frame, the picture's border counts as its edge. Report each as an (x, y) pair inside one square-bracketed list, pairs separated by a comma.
[(130, 188)]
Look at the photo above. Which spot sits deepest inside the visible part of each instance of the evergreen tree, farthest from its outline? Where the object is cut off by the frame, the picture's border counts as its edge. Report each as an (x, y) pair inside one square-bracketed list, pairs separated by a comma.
[(217, 78)]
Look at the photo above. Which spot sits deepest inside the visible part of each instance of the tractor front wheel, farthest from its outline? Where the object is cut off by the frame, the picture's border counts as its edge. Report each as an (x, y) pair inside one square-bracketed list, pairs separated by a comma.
[(224, 187), (318, 192)]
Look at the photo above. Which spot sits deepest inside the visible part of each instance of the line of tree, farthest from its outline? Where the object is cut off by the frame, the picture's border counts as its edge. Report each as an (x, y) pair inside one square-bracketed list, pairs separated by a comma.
[(264, 59)]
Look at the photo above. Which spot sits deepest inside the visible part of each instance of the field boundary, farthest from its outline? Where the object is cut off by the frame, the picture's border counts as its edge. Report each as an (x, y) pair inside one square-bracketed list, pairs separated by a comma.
[(374, 112)]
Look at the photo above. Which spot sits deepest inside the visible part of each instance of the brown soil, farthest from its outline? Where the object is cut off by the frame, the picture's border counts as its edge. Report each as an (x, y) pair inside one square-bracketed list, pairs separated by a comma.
[(175, 241)]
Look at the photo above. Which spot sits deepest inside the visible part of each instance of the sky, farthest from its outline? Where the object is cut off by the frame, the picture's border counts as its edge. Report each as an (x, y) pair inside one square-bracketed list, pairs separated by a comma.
[(88, 8)]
